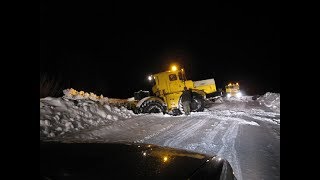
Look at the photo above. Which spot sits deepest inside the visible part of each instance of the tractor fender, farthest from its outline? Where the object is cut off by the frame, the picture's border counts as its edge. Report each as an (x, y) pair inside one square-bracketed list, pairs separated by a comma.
[(150, 98), (200, 92)]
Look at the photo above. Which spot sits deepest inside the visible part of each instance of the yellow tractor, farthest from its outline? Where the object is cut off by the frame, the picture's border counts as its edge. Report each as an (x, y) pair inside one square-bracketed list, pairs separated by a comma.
[(233, 90), (167, 89)]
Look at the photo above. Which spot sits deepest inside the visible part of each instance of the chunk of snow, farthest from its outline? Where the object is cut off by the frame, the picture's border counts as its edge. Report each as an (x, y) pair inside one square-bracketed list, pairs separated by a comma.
[(115, 118), (68, 126), (56, 117), (109, 117), (44, 123), (51, 134), (79, 125), (101, 113), (58, 129), (107, 106), (271, 100)]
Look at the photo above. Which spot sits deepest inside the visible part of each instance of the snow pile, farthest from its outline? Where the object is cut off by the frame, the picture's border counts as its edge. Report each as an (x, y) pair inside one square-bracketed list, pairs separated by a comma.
[(76, 112), (74, 94), (271, 100)]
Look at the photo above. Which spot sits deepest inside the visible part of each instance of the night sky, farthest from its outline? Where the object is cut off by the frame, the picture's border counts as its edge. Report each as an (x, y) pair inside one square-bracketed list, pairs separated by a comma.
[(110, 48)]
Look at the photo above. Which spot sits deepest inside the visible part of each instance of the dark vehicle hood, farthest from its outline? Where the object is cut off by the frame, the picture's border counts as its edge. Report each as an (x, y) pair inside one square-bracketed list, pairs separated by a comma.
[(106, 160)]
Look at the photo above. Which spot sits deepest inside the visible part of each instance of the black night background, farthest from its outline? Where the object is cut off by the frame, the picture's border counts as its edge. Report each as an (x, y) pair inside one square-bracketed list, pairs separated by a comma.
[(111, 48)]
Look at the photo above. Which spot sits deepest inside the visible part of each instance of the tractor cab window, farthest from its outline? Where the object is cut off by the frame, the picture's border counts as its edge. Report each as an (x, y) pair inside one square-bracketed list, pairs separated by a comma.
[(173, 77), (181, 77)]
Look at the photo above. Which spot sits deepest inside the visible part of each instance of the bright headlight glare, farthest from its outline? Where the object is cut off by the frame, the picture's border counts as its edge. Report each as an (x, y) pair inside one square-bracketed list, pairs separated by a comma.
[(239, 94)]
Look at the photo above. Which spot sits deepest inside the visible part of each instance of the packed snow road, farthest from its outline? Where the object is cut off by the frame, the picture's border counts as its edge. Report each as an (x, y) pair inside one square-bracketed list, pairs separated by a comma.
[(245, 133)]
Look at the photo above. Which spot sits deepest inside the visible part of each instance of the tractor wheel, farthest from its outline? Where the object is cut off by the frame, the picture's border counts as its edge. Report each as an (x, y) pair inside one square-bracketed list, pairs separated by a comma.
[(181, 106), (152, 106), (197, 103)]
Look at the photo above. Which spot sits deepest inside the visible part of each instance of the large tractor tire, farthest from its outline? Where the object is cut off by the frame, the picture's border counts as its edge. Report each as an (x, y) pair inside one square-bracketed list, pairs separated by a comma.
[(152, 106), (197, 103)]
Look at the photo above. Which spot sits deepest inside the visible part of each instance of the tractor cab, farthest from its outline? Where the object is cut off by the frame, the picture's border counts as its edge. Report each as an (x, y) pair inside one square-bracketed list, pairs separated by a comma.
[(170, 82), (169, 85)]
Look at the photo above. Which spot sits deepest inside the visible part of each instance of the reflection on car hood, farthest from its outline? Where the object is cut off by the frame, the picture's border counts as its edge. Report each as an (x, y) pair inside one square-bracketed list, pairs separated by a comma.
[(106, 160)]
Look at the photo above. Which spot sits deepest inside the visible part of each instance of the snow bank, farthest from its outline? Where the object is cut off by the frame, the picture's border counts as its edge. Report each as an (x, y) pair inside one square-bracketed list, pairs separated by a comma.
[(239, 99), (270, 100), (75, 112)]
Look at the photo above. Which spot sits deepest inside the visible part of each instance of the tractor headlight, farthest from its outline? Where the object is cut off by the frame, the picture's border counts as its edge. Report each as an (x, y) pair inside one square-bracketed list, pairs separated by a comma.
[(239, 94), (149, 78), (228, 95)]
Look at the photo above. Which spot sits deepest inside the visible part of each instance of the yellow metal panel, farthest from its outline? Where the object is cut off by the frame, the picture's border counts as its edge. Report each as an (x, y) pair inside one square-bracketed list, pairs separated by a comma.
[(189, 84), (172, 100), (207, 88)]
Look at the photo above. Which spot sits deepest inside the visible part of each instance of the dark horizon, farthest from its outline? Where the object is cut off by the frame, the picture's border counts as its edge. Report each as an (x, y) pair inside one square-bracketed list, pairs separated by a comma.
[(110, 48)]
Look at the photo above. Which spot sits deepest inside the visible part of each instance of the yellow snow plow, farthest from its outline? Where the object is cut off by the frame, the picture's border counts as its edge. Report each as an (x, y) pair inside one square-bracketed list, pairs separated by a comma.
[(167, 89), (233, 90)]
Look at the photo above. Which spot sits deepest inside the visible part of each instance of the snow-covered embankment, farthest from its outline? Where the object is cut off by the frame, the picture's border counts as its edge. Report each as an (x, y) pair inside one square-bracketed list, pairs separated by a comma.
[(76, 111), (270, 100)]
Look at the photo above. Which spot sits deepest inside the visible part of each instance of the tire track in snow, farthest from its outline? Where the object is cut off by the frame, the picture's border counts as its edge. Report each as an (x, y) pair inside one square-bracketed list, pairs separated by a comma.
[(209, 137), (185, 133), (228, 138), (228, 150), (180, 124), (143, 130), (154, 134), (236, 118), (206, 143), (146, 138)]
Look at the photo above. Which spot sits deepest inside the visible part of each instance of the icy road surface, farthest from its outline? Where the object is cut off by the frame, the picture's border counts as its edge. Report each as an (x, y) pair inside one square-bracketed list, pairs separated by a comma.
[(245, 133)]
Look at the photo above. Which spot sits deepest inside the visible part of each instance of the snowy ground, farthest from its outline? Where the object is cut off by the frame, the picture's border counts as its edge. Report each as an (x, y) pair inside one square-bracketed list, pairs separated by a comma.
[(245, 132)]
